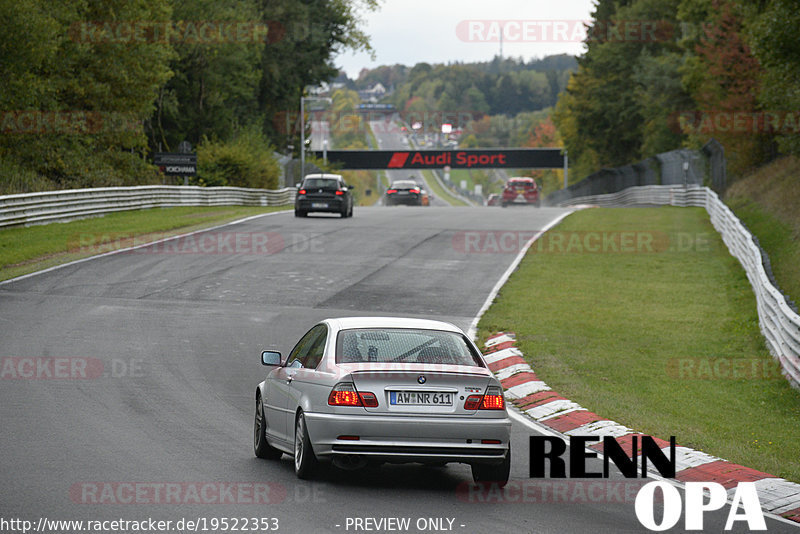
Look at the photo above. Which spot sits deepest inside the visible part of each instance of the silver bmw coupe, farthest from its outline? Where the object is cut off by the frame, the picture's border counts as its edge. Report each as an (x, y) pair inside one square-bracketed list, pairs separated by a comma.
[(367, 390)]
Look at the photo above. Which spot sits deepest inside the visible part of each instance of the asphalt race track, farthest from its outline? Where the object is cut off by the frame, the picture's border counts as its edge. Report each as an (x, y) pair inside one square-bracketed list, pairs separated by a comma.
[(163, 352)]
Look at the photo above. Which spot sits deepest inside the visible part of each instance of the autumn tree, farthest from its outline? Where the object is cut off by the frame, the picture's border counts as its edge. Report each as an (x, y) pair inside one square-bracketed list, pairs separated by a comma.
[(724, 80)]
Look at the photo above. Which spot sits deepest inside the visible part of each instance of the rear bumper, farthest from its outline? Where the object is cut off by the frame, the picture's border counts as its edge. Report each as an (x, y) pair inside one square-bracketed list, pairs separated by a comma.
[(410, 439), (409, 200), (515, 200), (334, 204)]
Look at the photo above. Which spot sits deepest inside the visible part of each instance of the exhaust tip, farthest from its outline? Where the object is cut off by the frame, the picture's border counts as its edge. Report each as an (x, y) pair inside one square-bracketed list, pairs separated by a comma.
[(350, 462)]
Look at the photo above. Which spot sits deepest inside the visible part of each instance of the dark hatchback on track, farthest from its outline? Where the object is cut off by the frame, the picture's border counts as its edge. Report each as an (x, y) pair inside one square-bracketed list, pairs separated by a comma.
[(404, 192), (326, 193)]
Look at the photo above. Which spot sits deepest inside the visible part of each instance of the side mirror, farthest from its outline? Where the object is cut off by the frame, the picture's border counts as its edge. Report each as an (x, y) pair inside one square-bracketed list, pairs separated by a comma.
[(271, 357), (297, 185)]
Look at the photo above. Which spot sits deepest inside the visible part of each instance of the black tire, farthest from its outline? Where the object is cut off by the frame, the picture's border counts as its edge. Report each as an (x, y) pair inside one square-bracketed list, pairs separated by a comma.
[(298, 213), (305, 462), (350, 213), (493, 474), (260, 445)]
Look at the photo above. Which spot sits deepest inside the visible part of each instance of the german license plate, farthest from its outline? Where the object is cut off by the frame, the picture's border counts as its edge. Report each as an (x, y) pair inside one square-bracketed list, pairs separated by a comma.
[(420, 398), (319, 204)]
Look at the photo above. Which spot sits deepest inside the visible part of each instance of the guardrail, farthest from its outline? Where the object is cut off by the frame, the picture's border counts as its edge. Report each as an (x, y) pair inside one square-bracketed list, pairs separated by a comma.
[(779, 322), (657, 195), (51, 206)]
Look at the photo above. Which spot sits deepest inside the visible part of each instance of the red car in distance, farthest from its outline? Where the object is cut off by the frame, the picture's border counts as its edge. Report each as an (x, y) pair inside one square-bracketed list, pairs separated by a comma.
[(521, 190)]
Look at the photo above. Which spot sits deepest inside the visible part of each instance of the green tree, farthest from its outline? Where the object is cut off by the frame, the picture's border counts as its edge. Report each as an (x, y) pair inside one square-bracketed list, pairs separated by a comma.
[(723, 78), (775, 44), (661, 95), (616, 106), (213, 92), (78, 70), (246, 161), (308, 37)]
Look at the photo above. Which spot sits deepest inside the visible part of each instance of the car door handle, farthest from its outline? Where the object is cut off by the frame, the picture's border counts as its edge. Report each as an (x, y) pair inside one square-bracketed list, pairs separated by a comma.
[(289, 379)]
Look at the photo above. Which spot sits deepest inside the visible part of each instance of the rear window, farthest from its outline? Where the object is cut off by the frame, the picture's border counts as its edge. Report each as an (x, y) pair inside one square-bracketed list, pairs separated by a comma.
[(404, 185), (404, 345), (526, 185), (321, 183)]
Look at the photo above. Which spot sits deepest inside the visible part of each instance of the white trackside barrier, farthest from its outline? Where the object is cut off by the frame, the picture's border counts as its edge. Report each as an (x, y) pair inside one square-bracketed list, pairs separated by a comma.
[(780, 324), (50, 206)]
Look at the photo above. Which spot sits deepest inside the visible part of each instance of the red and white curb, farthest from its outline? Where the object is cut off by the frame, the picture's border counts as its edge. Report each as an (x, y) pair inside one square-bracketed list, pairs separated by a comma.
[(535, 399)]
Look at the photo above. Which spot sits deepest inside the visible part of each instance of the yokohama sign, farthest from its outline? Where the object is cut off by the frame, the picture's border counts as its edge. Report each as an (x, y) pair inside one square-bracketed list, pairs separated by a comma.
[(530, 158)]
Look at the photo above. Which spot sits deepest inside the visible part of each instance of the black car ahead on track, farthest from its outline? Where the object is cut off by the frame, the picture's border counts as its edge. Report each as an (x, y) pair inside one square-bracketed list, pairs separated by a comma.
[(323, 193), (404, 192)]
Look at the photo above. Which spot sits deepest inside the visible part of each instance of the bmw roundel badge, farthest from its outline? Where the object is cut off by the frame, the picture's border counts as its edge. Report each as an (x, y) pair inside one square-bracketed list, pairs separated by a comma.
[(421, 379)]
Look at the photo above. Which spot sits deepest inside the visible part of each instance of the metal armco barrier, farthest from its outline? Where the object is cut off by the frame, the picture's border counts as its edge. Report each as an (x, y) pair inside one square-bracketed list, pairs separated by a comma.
[(51, 206), (779, 323)]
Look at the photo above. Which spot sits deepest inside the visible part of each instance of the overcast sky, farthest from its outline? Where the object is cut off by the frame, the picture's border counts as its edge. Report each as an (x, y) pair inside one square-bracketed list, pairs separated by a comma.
[(441, 31)]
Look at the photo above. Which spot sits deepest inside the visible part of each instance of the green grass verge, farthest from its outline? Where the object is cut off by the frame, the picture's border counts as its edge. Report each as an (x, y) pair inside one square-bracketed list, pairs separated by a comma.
[(616, 332), (363, 181), (457, 175), (440, 192), (778, 239), (766, 201), (26, 250)]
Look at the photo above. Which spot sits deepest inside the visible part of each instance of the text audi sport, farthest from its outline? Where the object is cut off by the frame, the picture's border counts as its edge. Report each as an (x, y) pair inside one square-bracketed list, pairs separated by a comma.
[(368, 390)]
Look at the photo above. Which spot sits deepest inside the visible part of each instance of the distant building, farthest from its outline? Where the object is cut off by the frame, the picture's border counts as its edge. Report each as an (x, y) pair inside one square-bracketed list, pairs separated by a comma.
[(325, 88), (372, 94)]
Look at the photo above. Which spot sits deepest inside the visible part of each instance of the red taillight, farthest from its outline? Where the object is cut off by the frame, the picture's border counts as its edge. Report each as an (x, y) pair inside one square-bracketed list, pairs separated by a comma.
[(473, 402), (301, 192), (369, 399), (390, 191), (414, 191), (492, 400), (339, 193), (344, 398), (345, 394)]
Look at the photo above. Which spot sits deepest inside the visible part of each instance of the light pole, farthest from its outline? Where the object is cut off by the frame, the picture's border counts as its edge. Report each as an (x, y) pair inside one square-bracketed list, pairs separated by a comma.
[(303, 131)]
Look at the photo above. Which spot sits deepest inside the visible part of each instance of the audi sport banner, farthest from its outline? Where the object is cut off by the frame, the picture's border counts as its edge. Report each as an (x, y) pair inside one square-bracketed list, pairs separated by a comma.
[(504, 158)]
